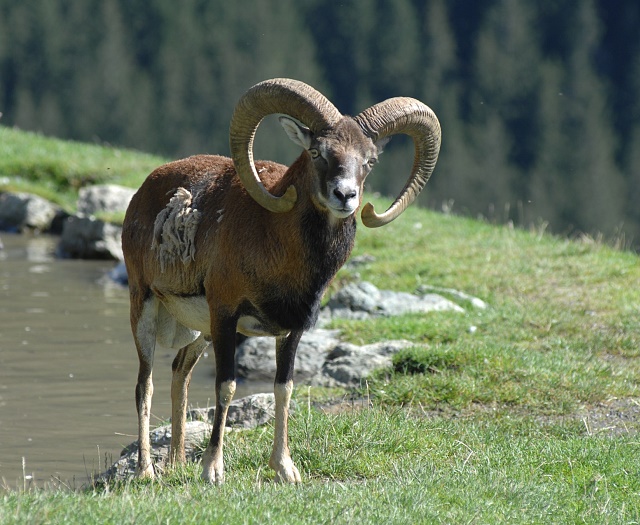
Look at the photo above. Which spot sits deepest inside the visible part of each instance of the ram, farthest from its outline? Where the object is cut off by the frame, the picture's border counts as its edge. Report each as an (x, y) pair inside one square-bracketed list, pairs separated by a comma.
[(217, 246)]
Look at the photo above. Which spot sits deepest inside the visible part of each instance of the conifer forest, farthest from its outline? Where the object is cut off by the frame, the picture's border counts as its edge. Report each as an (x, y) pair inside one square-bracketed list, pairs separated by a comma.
[(539, 100)]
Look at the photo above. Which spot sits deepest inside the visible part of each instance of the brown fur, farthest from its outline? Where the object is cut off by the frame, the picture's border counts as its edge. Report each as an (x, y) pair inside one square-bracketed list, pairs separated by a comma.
[(246, 229)]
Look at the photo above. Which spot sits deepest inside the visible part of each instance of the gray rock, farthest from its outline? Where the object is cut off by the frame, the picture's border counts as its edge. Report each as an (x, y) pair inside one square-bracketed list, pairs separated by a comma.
[(196, 432), (244, 413), (347, 365), (90, 238), (256, 359), (247, 412), (357, 297), (256, 356), (19, 211), (118, 274), (107, 198), (363, 300), (475, 301)]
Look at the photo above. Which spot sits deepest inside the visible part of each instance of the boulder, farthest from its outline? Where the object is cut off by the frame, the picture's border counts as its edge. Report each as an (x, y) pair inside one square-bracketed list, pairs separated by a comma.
[(104, 198), (196, 432), (247, 412), (363, 300), (474, 301), (19, 211), (118, 274), (90, 238), (347, 364), (256, 356), (244, 413)]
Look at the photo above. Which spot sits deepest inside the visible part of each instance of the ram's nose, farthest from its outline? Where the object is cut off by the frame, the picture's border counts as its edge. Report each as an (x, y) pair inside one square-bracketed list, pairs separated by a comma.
[(345, 195)]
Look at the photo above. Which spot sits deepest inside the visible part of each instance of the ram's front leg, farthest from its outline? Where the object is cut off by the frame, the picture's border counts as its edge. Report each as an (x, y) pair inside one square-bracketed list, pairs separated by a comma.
[(224, 348), (280, 460)]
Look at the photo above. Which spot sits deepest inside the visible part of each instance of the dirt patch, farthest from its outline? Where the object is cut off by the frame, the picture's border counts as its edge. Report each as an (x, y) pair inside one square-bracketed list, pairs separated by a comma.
[(612, 418)]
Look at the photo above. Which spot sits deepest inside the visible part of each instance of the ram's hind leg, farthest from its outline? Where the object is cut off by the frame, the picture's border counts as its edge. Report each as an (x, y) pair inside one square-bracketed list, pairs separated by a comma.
[(280, 460), (144, 325), (182, 367)]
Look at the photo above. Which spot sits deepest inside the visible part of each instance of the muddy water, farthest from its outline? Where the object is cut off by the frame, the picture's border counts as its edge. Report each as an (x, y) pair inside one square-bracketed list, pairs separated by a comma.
[(68, 367)]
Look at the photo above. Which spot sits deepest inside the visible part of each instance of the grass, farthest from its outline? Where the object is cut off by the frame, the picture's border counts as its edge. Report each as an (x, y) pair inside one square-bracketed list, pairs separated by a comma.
[(56, 169), (523, 412), (382, 466), (562, 329)]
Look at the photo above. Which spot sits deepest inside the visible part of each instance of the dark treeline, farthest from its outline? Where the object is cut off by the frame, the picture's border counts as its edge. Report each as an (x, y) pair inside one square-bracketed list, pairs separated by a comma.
[(539, 100)]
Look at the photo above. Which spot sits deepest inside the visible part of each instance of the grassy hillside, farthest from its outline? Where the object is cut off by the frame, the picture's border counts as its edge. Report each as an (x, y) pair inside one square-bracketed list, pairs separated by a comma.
[(525, 412), (56, 169)]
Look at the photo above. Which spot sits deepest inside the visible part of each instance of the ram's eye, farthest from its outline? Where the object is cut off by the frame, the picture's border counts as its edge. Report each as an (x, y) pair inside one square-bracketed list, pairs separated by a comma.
[(371, 162), (314, 153)]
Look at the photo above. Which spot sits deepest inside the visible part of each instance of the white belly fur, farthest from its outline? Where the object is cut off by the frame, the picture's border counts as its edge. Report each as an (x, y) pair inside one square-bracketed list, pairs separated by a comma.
[(193, 313)]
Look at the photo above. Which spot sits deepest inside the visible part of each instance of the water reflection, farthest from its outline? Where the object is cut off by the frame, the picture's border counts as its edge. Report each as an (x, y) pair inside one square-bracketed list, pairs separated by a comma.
[(68, 365)]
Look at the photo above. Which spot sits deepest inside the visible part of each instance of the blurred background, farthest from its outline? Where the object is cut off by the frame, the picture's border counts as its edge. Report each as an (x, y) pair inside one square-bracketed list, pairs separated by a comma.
[(539, 100)]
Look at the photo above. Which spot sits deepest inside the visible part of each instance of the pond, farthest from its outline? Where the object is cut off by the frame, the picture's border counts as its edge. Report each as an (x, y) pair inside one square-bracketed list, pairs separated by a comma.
[(68, 367)]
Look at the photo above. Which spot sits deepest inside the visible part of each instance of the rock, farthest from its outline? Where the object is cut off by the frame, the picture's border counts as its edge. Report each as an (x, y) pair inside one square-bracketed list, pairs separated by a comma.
[(196, 432), (363, 300), (475, 301), (357, 297), (19, 211), (90, 238), (58, 222), (256, 356), (347, 365), (319, 358), (256, 359), (119, 275), (360, 260), (244, 413), (104, 198), (322, 359), (247, 412)]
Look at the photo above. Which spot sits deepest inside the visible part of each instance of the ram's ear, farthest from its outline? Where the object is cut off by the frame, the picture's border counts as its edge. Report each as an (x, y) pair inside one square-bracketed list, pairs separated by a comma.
[(299, 134), (380, 144)]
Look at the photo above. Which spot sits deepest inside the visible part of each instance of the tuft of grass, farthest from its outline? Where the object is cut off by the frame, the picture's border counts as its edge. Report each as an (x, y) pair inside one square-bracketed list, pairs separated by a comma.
[(421, 360)]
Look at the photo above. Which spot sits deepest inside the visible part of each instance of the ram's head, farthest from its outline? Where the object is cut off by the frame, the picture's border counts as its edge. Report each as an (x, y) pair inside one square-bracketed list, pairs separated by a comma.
[(343, 149)]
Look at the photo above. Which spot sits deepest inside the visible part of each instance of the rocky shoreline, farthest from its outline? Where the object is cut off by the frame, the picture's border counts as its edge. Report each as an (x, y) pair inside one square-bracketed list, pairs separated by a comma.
[(83, 235)]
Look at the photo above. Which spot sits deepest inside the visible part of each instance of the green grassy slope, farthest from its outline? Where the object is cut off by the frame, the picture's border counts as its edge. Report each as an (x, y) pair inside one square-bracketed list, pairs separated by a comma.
[(562, 329), (56, 169)]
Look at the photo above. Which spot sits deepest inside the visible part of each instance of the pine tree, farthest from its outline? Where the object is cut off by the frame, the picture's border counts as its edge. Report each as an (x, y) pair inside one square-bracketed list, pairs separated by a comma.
[(594, 177), (344, 34), (439, 73), (503, 88), (550, 191), (632, 158)]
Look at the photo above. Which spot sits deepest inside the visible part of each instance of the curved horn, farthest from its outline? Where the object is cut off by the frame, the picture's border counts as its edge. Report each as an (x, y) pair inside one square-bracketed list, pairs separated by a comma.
[(413, 118), (279, 95)]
